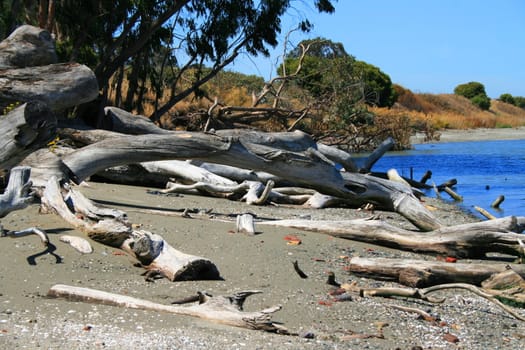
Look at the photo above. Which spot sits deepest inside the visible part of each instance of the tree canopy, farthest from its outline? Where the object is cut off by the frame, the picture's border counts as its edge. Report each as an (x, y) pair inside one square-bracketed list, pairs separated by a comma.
[(154, 43), (475, 92)]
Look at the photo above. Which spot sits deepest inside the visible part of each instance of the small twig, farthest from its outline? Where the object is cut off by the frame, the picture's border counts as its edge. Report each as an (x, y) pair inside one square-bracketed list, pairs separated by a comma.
[(426, 316), (476, 291), (298, 270)]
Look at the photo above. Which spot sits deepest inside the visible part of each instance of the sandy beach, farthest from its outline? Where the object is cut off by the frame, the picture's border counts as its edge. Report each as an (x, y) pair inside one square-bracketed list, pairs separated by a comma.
[(30, 320), (475, 135)]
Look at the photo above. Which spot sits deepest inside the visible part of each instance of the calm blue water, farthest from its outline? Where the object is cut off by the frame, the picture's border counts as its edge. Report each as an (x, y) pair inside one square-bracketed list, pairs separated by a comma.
[(496, 165)]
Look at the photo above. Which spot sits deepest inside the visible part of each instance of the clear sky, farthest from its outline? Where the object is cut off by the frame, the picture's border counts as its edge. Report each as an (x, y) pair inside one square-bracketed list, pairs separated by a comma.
[(424, 45)]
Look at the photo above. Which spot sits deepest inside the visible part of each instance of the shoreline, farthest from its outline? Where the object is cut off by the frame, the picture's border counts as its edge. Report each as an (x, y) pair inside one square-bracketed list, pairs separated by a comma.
[(481, 134)]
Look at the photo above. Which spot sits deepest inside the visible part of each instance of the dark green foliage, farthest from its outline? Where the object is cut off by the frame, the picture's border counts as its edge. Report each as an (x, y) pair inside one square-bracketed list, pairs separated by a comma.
[(519, 101), (507, 98), (475, 92), (378, 88), (469, 90), (483, 102)]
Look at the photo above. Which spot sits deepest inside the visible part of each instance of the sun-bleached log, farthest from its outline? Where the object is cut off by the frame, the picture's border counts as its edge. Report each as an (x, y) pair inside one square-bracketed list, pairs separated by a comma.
[(473, 240), (60, 86), (422, 273), (111, 227), (27, 46), (306, 167), (227, 310)]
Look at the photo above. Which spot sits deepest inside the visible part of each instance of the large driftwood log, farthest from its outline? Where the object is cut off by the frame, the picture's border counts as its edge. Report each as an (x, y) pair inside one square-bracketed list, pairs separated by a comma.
[(27, 46), (420, 273), (226, 310), (294, 160), (25, 129), (60, 86), (111, 227), (473, 240)]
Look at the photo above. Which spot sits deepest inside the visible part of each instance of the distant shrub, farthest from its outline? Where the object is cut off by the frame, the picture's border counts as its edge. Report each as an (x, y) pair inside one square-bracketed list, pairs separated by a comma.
[(475, 92), (519, 101), (470, 90), (483, 102), (507, 98)]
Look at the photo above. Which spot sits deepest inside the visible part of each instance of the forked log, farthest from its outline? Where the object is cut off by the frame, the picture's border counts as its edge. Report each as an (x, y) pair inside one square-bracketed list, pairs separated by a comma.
[(306, 167), (24, 130), (226, 310), (472, 240), (421, 273), (111, 227)]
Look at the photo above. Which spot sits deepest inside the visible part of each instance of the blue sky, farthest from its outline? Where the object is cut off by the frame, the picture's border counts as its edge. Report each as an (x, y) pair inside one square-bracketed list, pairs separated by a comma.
[(426, 46)]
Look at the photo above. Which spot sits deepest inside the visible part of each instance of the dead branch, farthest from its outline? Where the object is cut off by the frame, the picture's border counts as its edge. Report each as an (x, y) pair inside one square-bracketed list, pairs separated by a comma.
[(226, 310)]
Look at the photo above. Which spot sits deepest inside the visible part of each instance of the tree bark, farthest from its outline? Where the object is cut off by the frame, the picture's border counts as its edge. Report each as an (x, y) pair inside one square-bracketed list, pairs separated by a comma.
[(420, 273), (472, 240), (23, 130), (60, 86)]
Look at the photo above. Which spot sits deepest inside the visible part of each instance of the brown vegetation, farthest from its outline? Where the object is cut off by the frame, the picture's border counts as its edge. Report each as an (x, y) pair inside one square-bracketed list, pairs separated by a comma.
[(449, 111)]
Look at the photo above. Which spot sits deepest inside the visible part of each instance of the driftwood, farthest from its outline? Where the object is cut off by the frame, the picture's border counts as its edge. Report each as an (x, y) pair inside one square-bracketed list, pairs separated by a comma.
[(16, 196), (60, 86), (250, 150), (420, 273), (472, 240), (27, 46), (25, 129), (111, 227), (226, 310), (423, 294)]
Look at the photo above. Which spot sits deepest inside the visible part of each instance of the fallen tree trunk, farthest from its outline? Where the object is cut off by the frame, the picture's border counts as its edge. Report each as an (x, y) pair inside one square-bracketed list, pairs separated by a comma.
[(60, 86), (472, 240), (226, 310), (421, 273), (307, 167), (111, 227), (24, 130), (27, 46)]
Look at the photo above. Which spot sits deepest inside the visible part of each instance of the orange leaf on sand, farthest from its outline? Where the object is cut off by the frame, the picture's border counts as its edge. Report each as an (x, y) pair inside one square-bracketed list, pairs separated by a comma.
[(292, 240)]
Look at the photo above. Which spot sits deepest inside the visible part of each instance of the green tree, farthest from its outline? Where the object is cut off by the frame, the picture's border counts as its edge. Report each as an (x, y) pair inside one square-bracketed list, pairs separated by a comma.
[(520, 101), (378, 88), (163, 39), (475, 92), (507, 98)]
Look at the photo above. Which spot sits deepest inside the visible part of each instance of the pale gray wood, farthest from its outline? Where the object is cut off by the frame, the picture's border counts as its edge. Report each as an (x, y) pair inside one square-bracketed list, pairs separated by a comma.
[(226, 310), (60, 86), (307, 168), (421, 273), (17, 194), (25, 129), (111, 227), (472, 240), (27, 46)]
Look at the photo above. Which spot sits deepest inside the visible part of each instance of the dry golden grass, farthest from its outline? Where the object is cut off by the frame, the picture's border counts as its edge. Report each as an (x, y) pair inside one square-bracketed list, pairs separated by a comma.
[(448, 111)]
